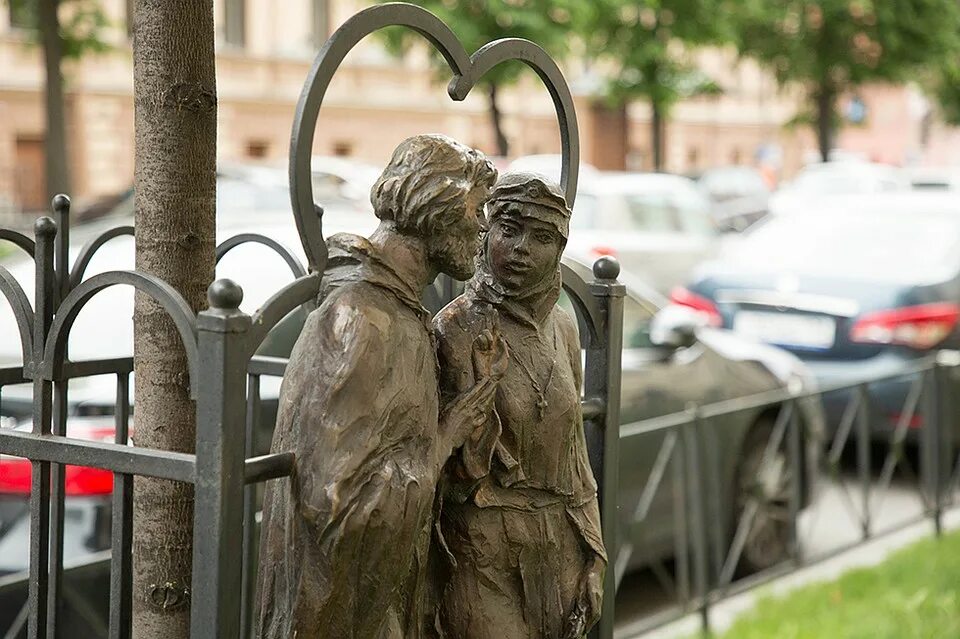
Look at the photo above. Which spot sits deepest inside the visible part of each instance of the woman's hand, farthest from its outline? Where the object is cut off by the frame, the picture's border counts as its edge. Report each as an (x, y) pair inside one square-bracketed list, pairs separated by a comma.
[(586, 608), (467, 417), (490, 355)]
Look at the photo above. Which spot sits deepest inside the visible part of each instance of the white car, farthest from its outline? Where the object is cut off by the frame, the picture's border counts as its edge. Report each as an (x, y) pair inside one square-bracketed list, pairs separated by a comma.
[(659, 226), (821, 181), (548, 165)]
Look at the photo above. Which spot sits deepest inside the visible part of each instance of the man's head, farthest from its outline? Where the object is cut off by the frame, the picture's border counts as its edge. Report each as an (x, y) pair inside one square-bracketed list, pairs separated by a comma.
[(434, 188)]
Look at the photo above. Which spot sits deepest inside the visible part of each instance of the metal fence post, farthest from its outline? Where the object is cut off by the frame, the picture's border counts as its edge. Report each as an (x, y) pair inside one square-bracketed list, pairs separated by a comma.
[(864, 461), (218, 511), (945, 379), (37, 595), (61, 282), (795, 457), (929, 472), (696, 501), (602, 380)]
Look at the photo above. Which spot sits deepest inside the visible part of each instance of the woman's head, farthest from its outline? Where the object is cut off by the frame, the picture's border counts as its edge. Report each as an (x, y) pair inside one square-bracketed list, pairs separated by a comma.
[(529, 224)]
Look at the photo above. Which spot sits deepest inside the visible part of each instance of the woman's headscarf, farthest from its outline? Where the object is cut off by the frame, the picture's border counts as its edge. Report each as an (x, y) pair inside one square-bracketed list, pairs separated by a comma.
[(523, 195)]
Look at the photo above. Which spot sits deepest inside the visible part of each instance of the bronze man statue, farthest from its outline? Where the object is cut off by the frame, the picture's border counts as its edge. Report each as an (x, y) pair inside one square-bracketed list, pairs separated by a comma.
[(520, 524), (345, 538)]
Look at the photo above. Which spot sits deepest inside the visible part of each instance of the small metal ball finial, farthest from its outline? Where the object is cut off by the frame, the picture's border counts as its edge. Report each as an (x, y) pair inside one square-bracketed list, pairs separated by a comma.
[(45, 226), (606, 268), (61, 203), (225, 294)]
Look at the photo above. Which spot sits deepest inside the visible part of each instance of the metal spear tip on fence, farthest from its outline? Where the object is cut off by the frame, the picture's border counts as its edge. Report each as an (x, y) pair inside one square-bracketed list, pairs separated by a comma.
[(45, 227), (606, 268), (225, 294), (61, 203)]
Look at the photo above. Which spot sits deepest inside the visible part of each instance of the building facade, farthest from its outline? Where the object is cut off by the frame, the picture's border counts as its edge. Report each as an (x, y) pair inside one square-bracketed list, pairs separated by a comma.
[(264, 50)]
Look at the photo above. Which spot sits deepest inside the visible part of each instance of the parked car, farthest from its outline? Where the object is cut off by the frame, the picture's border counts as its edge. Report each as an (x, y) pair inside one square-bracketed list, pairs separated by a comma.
[(932, 178), (671, 360), (549, 164), (739, 195), (659, 377), (342, 181), (857, 287), (824, 180), (658, 226), (87, 505)]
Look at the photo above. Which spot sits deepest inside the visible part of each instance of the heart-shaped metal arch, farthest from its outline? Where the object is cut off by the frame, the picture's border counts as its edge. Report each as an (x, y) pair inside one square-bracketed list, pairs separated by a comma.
[(466, 72)]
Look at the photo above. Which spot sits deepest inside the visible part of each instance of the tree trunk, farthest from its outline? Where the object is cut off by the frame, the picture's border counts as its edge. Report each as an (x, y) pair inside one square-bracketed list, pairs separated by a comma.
[(503, 147), (825, 99), (657, 136), (175, 122), (55, 140)]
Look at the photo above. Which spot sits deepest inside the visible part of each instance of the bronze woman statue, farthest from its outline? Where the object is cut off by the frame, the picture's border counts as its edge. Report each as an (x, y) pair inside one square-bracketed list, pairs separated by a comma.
[(345, 537), (519, 523)]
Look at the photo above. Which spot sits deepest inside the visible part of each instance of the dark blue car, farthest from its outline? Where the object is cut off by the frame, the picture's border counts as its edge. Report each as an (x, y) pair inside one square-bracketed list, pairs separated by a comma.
[(858, 288)]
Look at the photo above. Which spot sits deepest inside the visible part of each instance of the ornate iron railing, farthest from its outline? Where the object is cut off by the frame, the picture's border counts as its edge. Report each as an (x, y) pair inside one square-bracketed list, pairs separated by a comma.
[(225, 379), (710, 534), (225, 374)]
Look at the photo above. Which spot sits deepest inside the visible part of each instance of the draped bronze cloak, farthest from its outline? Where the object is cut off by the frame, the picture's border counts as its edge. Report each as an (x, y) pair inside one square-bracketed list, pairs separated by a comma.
[(345, 538), (519, 521)]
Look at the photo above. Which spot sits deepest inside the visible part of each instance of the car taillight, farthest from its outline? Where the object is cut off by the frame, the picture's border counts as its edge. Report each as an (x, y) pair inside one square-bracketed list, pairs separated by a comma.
[(78, 480), (685, 297), (600, 251), (921, 327)]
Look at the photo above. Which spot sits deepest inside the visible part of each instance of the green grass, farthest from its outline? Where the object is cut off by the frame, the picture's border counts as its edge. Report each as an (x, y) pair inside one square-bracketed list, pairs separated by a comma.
[(914, 594)]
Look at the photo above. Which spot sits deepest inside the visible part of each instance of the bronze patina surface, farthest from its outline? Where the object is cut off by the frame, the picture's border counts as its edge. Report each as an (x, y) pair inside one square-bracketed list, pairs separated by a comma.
[(520, 549), (346, 537)]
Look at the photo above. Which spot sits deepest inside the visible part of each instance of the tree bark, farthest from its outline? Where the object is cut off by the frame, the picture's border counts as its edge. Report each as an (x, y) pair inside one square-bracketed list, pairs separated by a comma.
[(55, 139), (824, 100), (175, 122), (496, 120), (657, 136)]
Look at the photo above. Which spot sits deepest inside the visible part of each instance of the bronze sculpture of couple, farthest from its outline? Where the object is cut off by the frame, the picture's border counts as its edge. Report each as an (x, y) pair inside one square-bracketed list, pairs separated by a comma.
[(441, 485)]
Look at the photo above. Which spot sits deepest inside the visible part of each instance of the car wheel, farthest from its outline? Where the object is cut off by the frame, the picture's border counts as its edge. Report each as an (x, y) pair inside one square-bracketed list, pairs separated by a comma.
[(762, 500)]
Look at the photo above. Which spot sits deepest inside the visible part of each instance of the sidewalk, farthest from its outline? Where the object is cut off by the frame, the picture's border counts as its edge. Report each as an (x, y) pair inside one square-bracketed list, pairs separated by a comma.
[(723, 613)]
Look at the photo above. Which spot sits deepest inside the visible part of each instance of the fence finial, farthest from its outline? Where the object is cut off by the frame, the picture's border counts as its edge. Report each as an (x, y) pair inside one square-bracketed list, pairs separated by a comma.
[(606, 268), (45, 226), (225, 294), (61, 203)]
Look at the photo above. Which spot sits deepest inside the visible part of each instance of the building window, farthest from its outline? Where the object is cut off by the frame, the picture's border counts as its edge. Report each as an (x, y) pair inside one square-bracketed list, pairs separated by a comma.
[(23, 14), (320, 21), (257, 149), (234, 22)]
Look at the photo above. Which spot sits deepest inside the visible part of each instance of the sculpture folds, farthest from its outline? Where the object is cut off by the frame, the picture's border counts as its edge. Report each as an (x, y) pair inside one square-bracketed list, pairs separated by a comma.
[(442, 486), (345, 538), (520, 521)]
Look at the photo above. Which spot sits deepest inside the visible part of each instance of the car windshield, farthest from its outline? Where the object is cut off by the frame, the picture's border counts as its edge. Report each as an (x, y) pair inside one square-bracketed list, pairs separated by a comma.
[(860, 244), (636, 320), (235, 195), (733, 181), (679, 211), (835, 180)]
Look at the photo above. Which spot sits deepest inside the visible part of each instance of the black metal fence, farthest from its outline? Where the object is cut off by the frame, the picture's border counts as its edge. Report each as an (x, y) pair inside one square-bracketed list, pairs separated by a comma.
[(914, 446), (221, 343), (225, 380), (226, 375)]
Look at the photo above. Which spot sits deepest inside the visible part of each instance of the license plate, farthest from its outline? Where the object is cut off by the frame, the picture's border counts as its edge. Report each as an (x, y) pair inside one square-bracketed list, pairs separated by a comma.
[(787, 329)]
